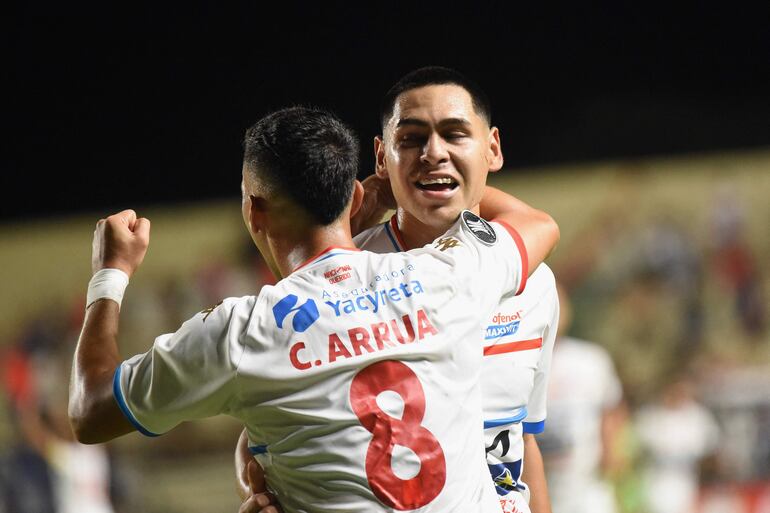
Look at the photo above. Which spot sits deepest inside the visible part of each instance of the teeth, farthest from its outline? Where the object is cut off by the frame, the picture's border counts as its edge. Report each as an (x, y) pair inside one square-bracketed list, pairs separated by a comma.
[(432, 181)]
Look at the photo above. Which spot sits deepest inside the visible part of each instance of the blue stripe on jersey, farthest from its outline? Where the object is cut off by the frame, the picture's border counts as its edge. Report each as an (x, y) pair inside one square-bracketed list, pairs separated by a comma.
[(124, 407), (533, 428), (258, 449), (522, 414), (391, 236)]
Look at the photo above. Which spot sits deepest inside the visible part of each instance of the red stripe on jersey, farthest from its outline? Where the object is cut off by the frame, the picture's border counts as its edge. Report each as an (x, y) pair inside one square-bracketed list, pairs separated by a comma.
[(397, 232), (512, 347), (330, 248), (522, 251)]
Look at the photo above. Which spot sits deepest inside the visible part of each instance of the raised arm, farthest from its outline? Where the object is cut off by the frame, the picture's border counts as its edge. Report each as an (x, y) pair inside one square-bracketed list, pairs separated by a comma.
[(377, 200), (119, 245), (538, 231)]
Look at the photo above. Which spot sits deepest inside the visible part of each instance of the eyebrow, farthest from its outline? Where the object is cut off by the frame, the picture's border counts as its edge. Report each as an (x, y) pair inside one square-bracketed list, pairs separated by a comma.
[(422, 123)]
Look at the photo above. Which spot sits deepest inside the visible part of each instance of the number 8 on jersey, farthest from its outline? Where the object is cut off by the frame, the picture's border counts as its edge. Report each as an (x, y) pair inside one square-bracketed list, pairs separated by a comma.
[(388, 431)]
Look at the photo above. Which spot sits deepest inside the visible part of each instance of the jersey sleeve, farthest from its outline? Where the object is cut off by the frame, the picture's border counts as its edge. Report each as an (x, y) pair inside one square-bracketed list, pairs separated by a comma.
[(534, 423), (490, 257), (186, 375)]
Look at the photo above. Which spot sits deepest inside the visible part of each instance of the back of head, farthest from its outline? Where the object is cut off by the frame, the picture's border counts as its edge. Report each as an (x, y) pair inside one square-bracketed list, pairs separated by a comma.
[(435, 75), (307, 155)]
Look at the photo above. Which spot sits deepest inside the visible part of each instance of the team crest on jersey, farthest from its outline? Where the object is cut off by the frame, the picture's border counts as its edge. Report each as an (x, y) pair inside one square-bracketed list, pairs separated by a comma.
[(480, 229)]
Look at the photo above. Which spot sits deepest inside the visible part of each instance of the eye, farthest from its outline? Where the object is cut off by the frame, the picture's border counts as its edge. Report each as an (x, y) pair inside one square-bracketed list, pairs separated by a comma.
[(410, 139), (455, 134)]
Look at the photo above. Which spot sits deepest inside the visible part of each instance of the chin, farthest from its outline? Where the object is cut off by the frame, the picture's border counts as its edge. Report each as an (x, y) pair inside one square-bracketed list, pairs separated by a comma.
[(441, 216)]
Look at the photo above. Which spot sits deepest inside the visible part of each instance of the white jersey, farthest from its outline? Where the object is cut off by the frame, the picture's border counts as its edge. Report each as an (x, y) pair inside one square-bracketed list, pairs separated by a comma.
[(583, 386), (357, 377), (80, 477), (518, 339), (674, 438)]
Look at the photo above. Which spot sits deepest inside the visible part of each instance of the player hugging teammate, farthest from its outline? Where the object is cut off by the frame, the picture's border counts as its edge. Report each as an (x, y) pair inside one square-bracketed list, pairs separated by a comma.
[(376, 410)]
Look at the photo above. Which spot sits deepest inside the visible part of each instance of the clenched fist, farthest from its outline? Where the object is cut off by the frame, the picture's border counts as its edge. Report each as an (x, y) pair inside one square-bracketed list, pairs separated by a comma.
[(120, 242)]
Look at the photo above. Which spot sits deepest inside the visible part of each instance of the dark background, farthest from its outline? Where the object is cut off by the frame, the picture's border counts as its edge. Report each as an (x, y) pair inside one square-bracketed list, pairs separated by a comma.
[(123, 105)]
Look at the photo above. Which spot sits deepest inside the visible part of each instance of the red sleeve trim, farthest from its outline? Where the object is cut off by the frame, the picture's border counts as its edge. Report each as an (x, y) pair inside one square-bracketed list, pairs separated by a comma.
[(522, 251), (512, 347)]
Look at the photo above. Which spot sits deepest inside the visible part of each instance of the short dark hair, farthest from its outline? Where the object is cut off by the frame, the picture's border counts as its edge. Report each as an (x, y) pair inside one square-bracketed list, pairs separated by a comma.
[(435, 75), (307, 154)]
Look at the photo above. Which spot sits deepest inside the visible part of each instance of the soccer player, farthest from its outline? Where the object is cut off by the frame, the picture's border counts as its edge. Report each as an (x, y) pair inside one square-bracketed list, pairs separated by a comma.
[(356, 376), (436, 127), (585, 413)]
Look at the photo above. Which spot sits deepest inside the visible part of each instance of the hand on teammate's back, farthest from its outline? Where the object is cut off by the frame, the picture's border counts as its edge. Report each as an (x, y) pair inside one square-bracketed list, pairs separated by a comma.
[(120, 242), (260, 501)]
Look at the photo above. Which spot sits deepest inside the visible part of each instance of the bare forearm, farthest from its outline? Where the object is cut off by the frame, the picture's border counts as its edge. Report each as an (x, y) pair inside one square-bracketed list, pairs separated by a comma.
[(242, 458), (496, 202), (538, 230), (94, 414), (250, 481), (534, 475)]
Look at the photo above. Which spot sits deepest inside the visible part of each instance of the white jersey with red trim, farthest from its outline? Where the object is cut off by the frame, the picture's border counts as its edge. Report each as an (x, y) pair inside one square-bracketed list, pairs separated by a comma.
[(357, 377), (518, 343)]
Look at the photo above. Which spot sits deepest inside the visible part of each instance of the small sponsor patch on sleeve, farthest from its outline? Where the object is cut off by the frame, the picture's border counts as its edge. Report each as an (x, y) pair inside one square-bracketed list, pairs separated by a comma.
[(480, 229)]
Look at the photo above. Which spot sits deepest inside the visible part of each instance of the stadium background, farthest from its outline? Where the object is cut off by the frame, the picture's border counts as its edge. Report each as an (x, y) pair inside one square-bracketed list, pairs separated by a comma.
[(644, 132)]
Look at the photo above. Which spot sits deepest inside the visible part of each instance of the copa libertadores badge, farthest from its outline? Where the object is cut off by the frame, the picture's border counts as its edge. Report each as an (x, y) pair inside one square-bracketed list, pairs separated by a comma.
[(481, 229)]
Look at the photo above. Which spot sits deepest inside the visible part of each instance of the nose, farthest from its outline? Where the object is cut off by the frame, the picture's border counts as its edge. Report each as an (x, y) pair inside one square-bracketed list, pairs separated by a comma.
[(434, 151)]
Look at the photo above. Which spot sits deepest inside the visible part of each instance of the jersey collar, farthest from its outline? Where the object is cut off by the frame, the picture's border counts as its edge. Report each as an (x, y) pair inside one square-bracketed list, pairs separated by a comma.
[(327, 253), (394, 234)]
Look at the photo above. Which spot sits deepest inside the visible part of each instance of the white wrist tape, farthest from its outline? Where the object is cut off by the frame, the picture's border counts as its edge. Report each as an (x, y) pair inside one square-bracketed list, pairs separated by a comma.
[(107, 283)]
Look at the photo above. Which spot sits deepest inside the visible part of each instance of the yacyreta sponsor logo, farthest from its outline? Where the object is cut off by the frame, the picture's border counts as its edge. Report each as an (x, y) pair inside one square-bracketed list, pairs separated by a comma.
[(376, 299), (305, 314)]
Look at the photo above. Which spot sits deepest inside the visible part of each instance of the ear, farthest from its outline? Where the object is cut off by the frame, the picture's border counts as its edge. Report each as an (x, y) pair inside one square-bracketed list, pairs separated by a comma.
[(258, 211), (379, 158), (495, 151), (358, 198)]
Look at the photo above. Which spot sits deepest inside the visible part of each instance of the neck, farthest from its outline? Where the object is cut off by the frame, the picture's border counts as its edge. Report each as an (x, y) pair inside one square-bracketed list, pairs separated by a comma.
[(416, 233), (291, 251)]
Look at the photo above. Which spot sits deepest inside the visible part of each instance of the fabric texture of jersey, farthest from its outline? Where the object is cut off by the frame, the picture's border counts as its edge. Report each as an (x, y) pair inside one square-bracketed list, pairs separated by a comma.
[(357, 377), (518, 339)]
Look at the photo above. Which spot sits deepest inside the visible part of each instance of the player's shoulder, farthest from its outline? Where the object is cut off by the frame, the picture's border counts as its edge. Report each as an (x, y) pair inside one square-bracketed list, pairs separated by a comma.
[(226, 309), (544, 274), (469, 233), (539, 292), (541, 282), (378, 239)]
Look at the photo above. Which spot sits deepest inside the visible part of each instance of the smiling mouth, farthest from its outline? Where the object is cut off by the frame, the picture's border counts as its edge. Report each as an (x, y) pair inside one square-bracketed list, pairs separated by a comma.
[(437, 184)]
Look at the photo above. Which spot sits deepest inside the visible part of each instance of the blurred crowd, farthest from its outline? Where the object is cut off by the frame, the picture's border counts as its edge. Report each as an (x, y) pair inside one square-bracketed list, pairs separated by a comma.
[(659, 398)]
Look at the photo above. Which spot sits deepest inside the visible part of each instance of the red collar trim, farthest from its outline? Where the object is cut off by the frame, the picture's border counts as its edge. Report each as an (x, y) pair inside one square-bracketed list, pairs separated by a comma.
[(322, 253), (397, 233)]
